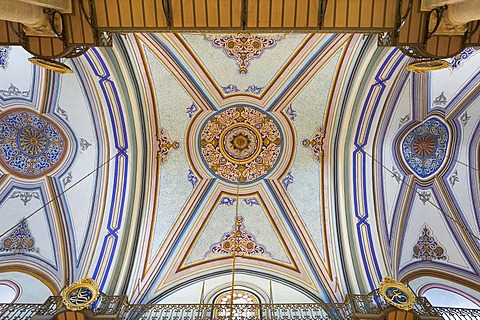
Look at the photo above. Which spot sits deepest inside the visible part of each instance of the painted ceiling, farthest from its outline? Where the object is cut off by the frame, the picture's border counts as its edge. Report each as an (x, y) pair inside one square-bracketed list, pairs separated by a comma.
[(343, 167)]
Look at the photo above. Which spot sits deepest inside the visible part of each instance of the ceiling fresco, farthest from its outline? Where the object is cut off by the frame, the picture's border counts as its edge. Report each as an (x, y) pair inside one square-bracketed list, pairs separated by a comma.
[(344, 168)]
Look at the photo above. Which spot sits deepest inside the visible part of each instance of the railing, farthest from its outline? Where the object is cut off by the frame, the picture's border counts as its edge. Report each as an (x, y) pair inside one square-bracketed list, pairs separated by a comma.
[(458, 313), (117, 307), (320, 311)]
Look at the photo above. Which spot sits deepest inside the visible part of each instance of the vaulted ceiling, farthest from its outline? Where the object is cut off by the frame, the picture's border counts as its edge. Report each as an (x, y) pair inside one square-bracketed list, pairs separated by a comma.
[(350, 168)]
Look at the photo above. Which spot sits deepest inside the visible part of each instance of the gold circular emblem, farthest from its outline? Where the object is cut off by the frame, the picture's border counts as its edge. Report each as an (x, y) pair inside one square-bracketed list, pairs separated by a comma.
[(80, 294), (423, 66), (397, 294)]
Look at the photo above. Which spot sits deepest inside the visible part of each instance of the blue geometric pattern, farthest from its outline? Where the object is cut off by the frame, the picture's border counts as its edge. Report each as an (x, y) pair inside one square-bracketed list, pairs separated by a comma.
[(424, 147), (32, 145), (457, 61), (4, 51), (20, 240)]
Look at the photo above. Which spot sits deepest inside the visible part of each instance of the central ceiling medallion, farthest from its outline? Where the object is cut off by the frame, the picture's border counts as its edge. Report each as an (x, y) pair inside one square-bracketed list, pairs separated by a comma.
[(425, 147), (240, 141), (33, 145)]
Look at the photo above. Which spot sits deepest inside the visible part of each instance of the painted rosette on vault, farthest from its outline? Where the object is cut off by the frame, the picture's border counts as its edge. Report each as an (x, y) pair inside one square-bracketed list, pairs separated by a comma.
[(424, 148), (240, 142), (32, 145)]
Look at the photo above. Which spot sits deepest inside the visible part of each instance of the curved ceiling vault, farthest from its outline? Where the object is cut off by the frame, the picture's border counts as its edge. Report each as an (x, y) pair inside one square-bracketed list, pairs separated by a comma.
[(351, 168)]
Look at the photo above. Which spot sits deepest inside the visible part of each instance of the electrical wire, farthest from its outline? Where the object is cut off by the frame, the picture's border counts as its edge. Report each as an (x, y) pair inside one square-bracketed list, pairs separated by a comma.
[(59, 195), (411, 187)]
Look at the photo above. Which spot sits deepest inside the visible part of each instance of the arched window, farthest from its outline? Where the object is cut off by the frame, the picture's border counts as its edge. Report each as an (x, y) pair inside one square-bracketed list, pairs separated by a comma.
[(245, 305)]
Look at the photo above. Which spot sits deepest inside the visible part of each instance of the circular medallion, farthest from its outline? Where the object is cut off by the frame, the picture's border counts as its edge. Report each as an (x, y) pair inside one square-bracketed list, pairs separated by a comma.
[(32, 145), (397, 294), (241, 143), (80, 295), (425, 147)]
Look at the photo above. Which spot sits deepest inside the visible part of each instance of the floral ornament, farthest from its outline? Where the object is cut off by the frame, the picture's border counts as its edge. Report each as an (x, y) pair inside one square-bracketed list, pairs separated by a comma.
[(32, 145), (4, 53), (424, 148), (166, 145), (315, 144), (240, 144), (427, 248), (20, 240), (240, 240), (243, 47)]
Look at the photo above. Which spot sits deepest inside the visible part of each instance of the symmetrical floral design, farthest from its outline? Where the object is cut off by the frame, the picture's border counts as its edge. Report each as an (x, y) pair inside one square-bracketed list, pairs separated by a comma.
[(84, 144), (424, 147), (424, 196), (457, 61), (165, 144), (25, 196), (32, 145), (13, 91), (427, 247), (240, 240), (441, 100), (240, 143), (4, 53), (20, 240), (243, 47), (316, 144)]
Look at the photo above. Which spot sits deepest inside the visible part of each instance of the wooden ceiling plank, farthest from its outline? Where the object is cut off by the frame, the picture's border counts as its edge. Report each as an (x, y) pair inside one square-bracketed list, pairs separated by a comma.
[(4, 36), (313, 7), (188, 14), (113, 12), (212, 14), (101, 13), (225, 14), (329, 19), (161, 15), (56, 45), (341, 14), (366, 13), (416, 21), (390, 17), (289, 14), (200, 12), (276, 14), (301, 14), (353, 13), (125, 13), (263, 13), (252, 9), (177, 14), (378, 14), (236, 9), (150, 13), (138, 13)]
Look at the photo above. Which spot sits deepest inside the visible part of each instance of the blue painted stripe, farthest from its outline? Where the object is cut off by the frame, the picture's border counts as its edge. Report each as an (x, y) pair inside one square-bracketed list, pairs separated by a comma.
[(103, 81), (363, 220)]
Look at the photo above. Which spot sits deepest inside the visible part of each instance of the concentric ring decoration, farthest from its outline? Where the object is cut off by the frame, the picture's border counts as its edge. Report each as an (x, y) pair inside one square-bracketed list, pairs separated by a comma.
[(240, 141), (424, 148), (33, 145)]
